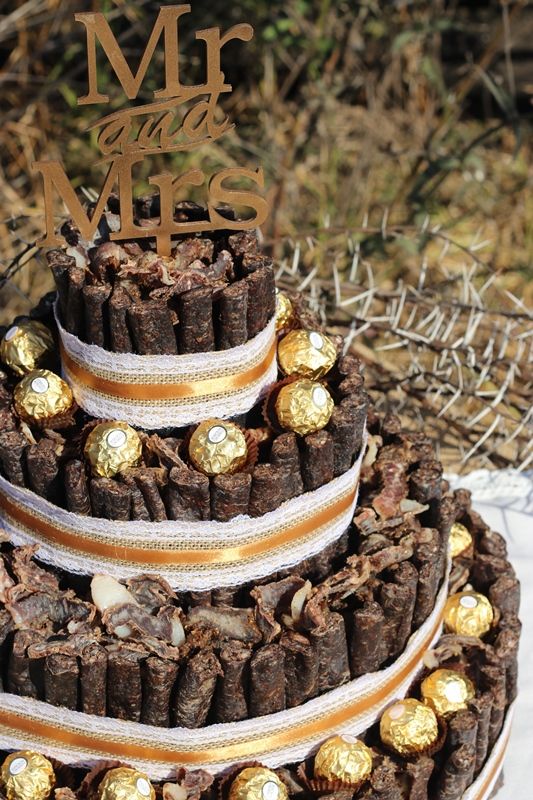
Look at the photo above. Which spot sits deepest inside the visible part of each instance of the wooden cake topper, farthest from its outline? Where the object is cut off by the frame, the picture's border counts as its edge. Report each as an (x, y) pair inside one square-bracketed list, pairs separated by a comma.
[(180, 118)]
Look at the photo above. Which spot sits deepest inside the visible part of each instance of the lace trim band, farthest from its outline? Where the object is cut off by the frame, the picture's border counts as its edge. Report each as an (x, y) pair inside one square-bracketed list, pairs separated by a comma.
[(169, 391), (190, 555)]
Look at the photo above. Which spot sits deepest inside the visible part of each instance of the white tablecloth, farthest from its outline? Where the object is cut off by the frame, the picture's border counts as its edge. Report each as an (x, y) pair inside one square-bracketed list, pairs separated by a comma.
[(505, 500)]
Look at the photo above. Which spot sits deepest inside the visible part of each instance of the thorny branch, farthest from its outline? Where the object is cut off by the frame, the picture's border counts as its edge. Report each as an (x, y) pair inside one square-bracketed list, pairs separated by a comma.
[(453, 354)]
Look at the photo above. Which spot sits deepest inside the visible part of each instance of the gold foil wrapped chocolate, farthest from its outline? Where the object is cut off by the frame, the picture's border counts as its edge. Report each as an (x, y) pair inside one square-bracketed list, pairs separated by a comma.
[(447, 691), (257, 783), (344, 758), (409, 727), (468, 614), (217, 447), (284, 312), (27, 776), (304, 406), (42, 395), (308, 354), (112, 447), (26, 345), (124, 783), (460, 539)]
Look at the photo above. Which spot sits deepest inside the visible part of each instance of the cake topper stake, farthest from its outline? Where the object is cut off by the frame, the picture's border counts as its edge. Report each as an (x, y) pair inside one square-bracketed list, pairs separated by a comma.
[(128, 136)]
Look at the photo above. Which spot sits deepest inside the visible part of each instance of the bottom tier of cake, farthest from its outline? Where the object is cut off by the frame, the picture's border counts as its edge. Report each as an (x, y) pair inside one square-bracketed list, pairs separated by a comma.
[(463, 761), (388, 781)]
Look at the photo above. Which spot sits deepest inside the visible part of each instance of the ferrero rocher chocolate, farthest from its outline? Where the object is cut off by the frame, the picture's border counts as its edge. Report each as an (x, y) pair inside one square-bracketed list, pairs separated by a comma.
[(306, 353), (124, 783), (42, 395), (25, 346), (304, 406), (409, 727), (344, 758), (257, 783), (284, 311), (112, 447), (447, 691), (218, 447), (460, 539), (27, 776), (468, 614)]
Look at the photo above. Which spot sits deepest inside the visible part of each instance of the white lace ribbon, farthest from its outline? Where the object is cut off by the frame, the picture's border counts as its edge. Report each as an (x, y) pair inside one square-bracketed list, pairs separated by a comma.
[(191, 556), (287, 736), (169, 390)]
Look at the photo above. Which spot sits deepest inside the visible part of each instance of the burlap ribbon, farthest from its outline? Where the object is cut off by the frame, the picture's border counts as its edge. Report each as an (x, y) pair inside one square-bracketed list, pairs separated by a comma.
[(189, 555), (173, 390)]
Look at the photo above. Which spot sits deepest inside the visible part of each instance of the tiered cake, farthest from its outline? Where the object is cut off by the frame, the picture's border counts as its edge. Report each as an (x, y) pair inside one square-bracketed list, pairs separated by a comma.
[(222, 573), (204, 599)]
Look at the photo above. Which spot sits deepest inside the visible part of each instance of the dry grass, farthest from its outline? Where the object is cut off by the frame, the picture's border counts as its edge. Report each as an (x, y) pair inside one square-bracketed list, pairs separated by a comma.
[(393, 139)]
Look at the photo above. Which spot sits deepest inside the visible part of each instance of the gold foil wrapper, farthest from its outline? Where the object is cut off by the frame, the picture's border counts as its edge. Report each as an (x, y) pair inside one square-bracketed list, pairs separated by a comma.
[(124, 783), (25, 346), (308, 354), (27, 776), (460, 539), (447, 691), (468, 614), (284, 312), (304, 406), (217, 447), (112, 447), (257, 783), (344, 758), (409, 727), (42, 395)]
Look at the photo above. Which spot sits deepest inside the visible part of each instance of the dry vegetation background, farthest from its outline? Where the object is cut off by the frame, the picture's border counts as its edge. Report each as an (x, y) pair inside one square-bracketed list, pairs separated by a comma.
[(396, 143)]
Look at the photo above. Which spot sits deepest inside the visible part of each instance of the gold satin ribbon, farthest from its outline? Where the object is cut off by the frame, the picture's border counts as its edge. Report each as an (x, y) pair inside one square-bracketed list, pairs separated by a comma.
[(207, 387), (147, 556), (223, 752)]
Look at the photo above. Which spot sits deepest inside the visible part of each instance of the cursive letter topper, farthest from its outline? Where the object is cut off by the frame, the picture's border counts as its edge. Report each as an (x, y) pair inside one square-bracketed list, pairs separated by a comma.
[(181, 117)]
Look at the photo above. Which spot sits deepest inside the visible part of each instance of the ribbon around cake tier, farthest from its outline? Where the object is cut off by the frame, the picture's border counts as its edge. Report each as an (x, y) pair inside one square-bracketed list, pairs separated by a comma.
[(287, 736), (191, 556), (161, 391)]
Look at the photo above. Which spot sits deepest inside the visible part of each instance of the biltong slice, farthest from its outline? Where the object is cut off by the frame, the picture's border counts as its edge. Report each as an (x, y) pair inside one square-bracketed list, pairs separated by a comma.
[(195, 690), (158, 680), (267, 681), (231, 703)]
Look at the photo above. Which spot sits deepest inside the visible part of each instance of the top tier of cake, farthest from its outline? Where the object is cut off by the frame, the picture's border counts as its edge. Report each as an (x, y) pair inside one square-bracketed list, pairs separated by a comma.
[(215, 292)]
